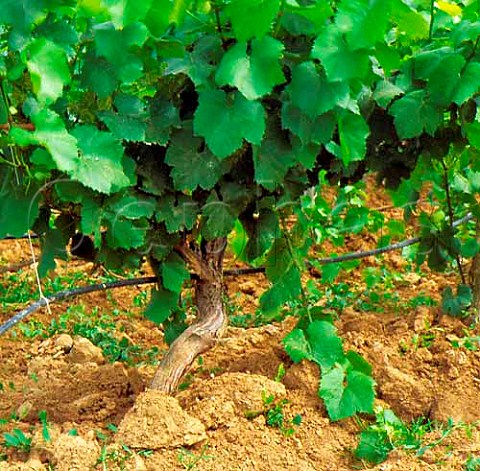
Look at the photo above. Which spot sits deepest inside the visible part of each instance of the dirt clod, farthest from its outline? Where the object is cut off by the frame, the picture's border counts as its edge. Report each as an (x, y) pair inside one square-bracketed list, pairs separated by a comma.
[(83, 351), (222, 400), (64, 342), (65, 451), (157, 421)]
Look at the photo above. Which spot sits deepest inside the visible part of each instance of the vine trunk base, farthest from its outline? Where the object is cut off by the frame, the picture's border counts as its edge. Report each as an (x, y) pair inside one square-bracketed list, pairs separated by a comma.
[(210, 322)]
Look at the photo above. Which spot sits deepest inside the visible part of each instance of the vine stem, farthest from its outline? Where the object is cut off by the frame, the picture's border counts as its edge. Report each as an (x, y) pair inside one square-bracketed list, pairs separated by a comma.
[(219, 24), (432, 20), (472, 54), (60, 295), (450, 216)]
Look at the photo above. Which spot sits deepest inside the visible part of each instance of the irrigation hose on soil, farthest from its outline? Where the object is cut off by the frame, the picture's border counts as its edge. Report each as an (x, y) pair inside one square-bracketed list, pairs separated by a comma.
[(60, 295)]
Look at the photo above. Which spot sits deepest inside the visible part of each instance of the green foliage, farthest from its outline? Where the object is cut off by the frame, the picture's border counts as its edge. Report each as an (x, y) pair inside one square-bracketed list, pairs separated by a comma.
[(189, 460), (102, 331), (18, 440), (346, 384), (42, 415), (456, 304), (145, 125), (472, 464), (388, 432), (273, 411)]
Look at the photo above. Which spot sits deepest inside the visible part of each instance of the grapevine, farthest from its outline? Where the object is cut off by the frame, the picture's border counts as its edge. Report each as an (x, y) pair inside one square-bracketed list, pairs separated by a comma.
[(157, 128)]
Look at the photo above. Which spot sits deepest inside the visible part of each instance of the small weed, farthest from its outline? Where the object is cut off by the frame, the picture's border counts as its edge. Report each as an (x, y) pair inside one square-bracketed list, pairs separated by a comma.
[(113, 454), (421, 300), (388, 432), (186, 383), (274, 415), (42, 415), (236, 316), (34, 377), (471, 343), (422, 340), (189, 460), (472, 464), (119, 457), (101, 330), (18, 440), (141, 299), (281, 372)]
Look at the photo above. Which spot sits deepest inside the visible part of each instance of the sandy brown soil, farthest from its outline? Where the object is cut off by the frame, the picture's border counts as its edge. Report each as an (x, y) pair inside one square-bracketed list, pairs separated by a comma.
[(419, 373)]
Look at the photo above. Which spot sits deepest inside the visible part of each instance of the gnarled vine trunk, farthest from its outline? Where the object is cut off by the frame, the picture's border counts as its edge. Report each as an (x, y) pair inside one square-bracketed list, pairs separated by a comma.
[(475, 279), (209, 323)]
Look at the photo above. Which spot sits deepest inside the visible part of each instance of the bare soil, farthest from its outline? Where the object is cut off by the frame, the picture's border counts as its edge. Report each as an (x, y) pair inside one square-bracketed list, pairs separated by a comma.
[(215, 422)]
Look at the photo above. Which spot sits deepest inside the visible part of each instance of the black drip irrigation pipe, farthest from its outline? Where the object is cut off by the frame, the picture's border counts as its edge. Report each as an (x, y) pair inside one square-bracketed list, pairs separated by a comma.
[(60, 295), (68, 293)]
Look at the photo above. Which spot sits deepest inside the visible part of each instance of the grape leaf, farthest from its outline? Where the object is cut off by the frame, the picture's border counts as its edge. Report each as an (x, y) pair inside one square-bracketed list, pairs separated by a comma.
[(456, 304), (252, 18), (311, 92), (374, 446), (363, 22), (174, 273), (353, 132), (60, 33), (177, 213), (100, 163), (388, 58), (330, 272), (99, 75), (316, 13), (49, 72), (131, 205), (91, 219), (297, 346), (53, 246), (413, 113), (318, 130), (130, 13), (282, 270), (339, 60), (385, 92), (157, 18), (129, 122), (187, 152), (262, 232), (286, 288), (473, 133), (114, 46), (22, 14), (346, 392), (198, 64), (125, 233), (441, 68), (466, 31), (469, 83), (470, 248), (225, 120), (326, 345), (412, 25), (220, 213), (256, 74), (18, 211), (273, 157), (163, 117), (50, 133), (161, 305)]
